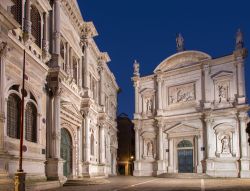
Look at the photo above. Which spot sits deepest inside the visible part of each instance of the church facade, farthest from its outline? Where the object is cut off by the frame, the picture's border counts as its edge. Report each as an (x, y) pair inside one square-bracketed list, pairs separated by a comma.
[(70, 96), (191, 115)]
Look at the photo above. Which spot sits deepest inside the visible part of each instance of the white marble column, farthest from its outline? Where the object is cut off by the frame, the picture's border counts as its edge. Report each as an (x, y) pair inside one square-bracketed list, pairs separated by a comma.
[(56, 132), (136, 85), (160, 142), (79, 73), (159, 94), (102, 144), (79, 132), (137, 144), (200, 153), (171, 155), (87, 138), (67, 58), (85, 66), (57, 26), (45, 43), (210, 141), (243, 135), (101, 93), (207, 90), (3, 54), (241, 79)]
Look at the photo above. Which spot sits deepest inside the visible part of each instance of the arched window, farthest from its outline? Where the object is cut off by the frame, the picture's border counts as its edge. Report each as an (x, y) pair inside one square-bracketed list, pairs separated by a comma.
[(13, 116), (92, 144), (75, 70), (31, 122), (36, 25), (16, 11), (184, 143)]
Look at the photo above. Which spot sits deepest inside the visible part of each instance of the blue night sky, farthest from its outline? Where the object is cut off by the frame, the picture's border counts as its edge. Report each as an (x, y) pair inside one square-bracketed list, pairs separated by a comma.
[(145, 31)]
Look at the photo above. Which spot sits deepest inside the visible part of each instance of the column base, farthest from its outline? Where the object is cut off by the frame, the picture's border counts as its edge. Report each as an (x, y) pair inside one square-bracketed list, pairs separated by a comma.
[(54, 169), (161, 167), (94, 170), (244, 166)]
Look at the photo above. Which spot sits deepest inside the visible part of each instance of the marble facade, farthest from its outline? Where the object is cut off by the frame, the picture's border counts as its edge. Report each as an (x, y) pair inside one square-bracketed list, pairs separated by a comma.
[(192, 106), (69, 83)]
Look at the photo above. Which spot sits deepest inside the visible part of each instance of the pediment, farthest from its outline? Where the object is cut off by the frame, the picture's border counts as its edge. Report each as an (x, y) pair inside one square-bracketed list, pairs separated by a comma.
[(147, 91), (71, 108), (222, 74), (181, 59), (181, 128)]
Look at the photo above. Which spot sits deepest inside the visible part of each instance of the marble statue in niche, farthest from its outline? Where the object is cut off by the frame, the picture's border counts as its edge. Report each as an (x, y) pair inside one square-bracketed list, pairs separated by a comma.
[(149, 149), (225, 142), (181, 93), (149, 104), (222, 91)]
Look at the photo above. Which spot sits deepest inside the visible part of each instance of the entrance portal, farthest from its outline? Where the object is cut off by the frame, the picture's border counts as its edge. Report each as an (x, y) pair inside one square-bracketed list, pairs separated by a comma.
[(66, 152), (185, 157)]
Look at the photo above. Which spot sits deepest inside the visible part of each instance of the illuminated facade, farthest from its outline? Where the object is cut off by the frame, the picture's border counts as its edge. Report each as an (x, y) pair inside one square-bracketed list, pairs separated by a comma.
[(191, 115), (70, 98)]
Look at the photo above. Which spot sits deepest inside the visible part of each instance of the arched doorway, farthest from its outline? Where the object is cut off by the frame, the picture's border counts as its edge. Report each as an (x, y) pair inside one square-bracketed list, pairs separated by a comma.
[(185, 157), (66, 152)]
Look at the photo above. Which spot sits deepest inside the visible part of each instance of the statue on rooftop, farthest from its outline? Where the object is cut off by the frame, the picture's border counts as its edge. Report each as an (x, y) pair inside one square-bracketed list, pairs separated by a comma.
[(180, 43), (239, 43), (136, 68)]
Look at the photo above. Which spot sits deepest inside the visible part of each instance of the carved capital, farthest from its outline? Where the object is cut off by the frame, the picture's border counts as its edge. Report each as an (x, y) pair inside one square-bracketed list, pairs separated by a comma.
[(85, 113), (242, 116), (88, 30)]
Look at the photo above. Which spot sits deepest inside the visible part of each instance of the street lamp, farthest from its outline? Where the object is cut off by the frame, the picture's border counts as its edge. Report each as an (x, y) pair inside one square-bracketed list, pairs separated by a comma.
[(20, 174)]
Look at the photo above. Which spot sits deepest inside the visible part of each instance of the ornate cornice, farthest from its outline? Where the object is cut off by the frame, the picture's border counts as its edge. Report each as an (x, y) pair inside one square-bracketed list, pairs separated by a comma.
[(72, 10)]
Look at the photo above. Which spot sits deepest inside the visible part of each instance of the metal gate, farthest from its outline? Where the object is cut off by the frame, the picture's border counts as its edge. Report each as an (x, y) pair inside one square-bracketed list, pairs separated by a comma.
[(185, 160), (66, 152)]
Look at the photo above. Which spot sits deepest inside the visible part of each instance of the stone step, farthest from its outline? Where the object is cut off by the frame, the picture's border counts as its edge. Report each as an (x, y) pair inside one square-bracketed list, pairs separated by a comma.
[(184, 175), (41, 185), (86, 181)]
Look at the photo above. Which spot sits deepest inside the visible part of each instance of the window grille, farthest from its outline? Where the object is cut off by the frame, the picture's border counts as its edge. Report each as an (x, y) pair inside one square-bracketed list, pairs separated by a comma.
[(16, 10), (31, 122), (36, 25), (13, 116)]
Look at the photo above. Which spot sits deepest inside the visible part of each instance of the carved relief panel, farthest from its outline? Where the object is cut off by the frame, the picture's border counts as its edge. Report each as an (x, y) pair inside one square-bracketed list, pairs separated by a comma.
[(222, 91), (181, 93), (222, 86)]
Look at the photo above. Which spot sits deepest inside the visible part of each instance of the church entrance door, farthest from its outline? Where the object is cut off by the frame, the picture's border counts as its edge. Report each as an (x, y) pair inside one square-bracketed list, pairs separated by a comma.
[(185, 157), (66, 152)]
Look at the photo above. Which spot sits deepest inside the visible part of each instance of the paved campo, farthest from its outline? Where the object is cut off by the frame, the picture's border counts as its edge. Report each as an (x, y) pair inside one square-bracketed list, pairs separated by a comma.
[(129, 183)]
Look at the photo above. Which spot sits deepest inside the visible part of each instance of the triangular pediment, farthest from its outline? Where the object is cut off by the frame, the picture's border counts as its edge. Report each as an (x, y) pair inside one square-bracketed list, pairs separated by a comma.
[(71, 108), (147, 91), (181, 128), (222, 74)]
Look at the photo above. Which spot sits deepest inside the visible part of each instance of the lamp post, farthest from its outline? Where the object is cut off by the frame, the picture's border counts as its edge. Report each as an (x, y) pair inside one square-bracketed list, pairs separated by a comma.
[(20, 174)]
